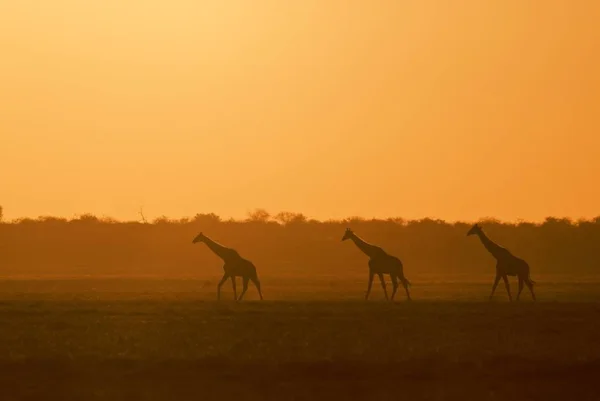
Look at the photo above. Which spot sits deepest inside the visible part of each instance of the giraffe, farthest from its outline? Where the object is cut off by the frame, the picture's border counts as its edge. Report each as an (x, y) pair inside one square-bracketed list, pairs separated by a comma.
[(235, 266), (506, 264), (380, 263)]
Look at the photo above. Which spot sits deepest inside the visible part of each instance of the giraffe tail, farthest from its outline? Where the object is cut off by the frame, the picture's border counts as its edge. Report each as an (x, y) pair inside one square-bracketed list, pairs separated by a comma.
[(529, 280), (405, 281)]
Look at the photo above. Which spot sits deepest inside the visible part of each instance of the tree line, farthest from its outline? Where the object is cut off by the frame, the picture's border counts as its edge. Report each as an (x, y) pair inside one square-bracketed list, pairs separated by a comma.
[(288, 245)]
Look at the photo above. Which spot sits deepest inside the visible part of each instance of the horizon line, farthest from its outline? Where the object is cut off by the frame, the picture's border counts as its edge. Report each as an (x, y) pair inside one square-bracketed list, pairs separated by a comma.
[(288, 217)]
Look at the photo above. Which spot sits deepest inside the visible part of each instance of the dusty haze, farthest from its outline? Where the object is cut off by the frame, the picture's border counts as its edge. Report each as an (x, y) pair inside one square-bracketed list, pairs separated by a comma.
[(333, 109), (305, 251)]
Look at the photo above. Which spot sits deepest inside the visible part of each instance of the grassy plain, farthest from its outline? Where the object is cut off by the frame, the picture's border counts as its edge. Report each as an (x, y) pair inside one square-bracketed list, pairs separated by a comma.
[(150, 339)]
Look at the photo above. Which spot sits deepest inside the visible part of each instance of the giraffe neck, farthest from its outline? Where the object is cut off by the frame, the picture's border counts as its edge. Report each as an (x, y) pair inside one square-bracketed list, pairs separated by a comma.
[(369, 250), (219, 250), (491, 246)]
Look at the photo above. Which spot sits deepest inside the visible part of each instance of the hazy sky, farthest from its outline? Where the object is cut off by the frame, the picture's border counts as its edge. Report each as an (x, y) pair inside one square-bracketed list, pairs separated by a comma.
[(449, 109)]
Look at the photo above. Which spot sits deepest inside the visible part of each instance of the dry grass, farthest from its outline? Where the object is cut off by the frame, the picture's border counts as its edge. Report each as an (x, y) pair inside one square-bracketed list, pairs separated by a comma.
[(168, 340)]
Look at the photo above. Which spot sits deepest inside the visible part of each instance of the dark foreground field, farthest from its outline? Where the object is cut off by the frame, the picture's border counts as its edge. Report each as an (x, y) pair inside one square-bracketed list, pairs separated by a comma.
[(119, 340)]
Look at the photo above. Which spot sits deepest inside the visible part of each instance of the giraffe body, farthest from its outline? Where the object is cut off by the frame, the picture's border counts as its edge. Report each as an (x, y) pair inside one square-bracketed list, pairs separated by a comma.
[(506, 265), (380, 263), (235, 266)]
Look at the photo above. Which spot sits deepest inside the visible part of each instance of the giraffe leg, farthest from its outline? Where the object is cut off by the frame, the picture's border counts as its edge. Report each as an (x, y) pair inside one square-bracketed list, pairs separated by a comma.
[(257, 284), (405, 284), (233, 284), (223, 280), (496, 281), (244, 289), (371, 275), (394, 284), (520, 287), (383, 286), (507, 285), (529, 284)]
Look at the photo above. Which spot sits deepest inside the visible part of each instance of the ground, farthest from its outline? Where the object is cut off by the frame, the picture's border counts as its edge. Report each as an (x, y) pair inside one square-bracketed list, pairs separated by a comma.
[(170, 340)]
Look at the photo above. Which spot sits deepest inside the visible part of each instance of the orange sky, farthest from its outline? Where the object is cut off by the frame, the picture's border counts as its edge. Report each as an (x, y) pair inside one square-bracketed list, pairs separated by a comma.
[(447, 109)]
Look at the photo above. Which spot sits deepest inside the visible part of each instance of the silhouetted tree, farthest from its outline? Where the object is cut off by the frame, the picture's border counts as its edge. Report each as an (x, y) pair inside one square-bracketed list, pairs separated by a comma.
[(162, 220), (259, 216), (209, 218), (290, 218), (87, 218)]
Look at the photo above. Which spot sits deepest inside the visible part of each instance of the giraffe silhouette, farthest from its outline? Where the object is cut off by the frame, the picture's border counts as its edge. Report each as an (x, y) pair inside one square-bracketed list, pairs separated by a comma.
[(235, 266), (380, 263), (507, 264)]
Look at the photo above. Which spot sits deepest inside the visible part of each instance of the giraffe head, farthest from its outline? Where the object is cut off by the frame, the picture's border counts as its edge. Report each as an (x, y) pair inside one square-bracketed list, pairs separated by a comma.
[(199, 238), (476, 229), (348, 234)]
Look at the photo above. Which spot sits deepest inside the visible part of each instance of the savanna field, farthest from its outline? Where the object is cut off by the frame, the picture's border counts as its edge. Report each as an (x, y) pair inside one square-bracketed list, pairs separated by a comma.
[(93, 310), (155, 339)]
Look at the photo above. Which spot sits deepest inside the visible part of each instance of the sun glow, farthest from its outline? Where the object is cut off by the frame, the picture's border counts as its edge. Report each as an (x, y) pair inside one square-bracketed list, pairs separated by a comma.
[(326, 108)]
